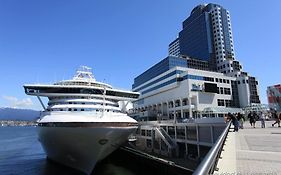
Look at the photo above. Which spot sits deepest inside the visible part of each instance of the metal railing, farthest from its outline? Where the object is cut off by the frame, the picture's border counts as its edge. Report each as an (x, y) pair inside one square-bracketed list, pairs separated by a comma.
[(209, 163)]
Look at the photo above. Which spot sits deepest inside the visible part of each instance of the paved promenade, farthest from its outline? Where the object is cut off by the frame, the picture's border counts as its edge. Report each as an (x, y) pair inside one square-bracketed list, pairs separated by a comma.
[(252, 151)]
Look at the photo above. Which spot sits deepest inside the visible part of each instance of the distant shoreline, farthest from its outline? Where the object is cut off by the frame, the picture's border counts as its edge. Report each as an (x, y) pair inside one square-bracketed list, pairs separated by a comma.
[(4, 123)]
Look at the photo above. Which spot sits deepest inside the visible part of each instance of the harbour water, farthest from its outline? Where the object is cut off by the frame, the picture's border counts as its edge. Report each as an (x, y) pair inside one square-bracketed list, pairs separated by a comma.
[(21, 153)]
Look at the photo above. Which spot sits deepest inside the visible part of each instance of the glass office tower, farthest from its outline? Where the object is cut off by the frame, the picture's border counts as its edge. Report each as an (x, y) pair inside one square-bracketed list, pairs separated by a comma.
[(207, 35)]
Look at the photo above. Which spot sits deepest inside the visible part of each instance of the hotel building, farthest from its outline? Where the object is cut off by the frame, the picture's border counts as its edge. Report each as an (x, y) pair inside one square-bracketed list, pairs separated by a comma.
[(201, 72)]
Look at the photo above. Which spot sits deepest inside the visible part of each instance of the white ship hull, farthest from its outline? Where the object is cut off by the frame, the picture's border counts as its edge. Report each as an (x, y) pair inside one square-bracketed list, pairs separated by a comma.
[(82, 147), (83, 122)]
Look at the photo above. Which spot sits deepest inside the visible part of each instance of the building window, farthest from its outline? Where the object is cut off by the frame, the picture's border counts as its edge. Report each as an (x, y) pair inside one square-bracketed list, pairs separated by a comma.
[(148, 143), (220, 102), (148, 133), (221, 90), (143, 132), (227, 103), (227, 91)]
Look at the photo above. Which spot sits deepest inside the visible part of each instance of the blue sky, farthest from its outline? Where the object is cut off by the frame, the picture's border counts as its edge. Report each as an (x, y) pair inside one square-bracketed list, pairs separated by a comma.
[(44, 41)]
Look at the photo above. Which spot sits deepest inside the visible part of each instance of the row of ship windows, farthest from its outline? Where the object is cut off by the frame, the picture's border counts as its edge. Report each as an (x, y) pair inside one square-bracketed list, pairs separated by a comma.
[(81, 83), (84, 103), (82, 109), (74, 97)]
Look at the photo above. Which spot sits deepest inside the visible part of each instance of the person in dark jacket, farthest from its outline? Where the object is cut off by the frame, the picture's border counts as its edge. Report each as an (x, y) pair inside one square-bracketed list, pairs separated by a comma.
[(234, 121), (276, 118), (241, 120), (252, 119)]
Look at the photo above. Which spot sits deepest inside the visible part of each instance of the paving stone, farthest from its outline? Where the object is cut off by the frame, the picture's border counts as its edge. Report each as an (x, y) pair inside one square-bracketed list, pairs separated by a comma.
[(258, 150)]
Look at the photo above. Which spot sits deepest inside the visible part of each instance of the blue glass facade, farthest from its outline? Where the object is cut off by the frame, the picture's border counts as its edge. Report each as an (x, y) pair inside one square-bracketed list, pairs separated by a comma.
[(158, 69), (195, 38)]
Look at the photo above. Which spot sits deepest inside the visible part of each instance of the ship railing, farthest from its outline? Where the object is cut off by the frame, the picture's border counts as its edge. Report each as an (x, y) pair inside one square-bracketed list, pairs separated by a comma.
[(209, 163)]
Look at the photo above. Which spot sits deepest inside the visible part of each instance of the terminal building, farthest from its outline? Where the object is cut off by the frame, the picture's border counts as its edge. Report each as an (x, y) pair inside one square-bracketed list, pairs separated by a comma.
[(200, 75)]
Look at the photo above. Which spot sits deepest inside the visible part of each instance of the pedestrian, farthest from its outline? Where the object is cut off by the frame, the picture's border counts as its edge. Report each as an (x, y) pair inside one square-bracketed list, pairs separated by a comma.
[(234, 121), (241, 120), (276, 118), (267, 116), (262, 118), (252, 119)]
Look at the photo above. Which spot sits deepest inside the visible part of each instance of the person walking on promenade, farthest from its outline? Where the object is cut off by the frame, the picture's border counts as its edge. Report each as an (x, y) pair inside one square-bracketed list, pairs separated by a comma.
[(234, 121), (262, 118), (241, 120), (252, 119), (276, 118)]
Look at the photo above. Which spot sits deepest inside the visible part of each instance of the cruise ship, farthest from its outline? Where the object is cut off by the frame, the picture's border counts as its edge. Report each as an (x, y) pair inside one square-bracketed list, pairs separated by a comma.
[(83, 122)]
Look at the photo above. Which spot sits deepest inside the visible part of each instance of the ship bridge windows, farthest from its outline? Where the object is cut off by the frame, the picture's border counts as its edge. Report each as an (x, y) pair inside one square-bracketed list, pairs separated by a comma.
[(79, 90), (75, 83)]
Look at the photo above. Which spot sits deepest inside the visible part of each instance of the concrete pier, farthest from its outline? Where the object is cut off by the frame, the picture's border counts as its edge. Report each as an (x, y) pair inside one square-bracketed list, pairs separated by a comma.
[(252, 151)]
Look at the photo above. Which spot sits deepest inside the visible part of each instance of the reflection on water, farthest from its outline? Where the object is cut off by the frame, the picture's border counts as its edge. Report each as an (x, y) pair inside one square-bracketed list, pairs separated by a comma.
[(21, 153)]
